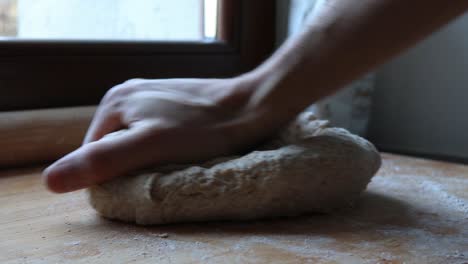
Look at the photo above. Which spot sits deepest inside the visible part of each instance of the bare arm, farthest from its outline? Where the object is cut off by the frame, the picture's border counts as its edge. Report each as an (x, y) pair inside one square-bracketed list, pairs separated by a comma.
[(344, 40)]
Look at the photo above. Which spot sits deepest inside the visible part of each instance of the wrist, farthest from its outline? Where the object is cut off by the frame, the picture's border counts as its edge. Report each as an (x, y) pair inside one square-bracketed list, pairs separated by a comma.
[(239, 91), (248, 99)]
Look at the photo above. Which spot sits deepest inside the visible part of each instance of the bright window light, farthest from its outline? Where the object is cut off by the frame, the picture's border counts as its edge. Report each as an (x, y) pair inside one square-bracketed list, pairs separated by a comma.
[(211, 19), (177, 20)]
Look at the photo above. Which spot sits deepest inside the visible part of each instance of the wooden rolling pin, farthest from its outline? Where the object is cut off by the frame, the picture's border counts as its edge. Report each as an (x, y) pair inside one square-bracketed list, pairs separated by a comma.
[(31, 137)]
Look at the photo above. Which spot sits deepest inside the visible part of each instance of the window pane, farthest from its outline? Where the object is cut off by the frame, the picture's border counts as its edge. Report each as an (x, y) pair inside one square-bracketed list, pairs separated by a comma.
[(184, 20)]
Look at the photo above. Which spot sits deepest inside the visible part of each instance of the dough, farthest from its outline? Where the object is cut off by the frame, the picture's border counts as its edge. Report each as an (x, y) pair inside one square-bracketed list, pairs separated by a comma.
[(309, 168)]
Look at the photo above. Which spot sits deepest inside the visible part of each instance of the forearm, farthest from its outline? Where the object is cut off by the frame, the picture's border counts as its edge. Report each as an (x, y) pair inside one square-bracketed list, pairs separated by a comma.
[(344, 40)]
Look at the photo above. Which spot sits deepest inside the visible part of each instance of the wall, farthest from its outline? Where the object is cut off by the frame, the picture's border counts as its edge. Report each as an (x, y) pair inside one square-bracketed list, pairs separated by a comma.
[(7, 18), (421, 98)]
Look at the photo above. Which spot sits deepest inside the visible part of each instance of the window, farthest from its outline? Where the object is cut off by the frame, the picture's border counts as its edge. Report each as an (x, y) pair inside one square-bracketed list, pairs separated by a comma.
[(56, 53), (177, 20)]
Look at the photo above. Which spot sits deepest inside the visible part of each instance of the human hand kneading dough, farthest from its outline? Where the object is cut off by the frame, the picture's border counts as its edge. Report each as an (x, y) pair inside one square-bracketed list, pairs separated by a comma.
[(170, 121), (179, 120)]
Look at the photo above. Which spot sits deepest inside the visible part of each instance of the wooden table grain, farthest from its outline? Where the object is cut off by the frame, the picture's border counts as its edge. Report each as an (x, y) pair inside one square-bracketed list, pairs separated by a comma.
[(415, 211)]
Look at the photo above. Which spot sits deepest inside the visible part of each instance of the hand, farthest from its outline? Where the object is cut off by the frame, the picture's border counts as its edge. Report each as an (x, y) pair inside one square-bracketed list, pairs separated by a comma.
[(159, 121)]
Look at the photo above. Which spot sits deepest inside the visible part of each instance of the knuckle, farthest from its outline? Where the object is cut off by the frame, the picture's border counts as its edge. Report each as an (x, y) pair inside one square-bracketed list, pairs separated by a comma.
[(134, 81), (119, 92)]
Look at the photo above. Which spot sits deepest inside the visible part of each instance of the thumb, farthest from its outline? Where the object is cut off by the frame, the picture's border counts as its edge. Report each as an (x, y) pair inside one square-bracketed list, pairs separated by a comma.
[(102, 160)]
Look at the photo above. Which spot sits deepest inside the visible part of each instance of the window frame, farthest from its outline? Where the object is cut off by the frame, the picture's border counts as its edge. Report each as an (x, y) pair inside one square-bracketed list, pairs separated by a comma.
[(52, 74)]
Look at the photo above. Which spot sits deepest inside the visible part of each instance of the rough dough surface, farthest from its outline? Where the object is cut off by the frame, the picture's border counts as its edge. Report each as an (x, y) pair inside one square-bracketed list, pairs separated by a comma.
[(309, 168)]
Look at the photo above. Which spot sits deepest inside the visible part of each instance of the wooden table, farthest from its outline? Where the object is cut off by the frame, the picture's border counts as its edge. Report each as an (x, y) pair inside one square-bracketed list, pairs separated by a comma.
[(415, 211)]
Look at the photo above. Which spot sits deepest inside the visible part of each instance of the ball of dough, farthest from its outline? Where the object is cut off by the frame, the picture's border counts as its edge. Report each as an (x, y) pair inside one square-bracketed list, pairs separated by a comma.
[(309, 168)]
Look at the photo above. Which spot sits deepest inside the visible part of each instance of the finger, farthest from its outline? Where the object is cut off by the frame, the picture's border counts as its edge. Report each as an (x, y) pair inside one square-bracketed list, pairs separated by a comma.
[(103, 160), (105, 121)]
